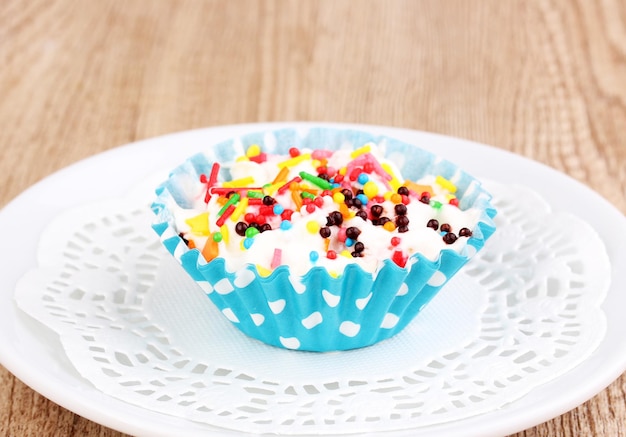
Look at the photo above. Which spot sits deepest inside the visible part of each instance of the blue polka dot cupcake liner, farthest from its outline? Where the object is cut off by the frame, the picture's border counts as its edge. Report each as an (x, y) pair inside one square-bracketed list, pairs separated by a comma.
[(318, 311)]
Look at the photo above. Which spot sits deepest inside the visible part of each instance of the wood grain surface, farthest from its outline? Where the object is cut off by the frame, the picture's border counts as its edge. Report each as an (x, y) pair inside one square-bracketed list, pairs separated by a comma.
[(545, 79)]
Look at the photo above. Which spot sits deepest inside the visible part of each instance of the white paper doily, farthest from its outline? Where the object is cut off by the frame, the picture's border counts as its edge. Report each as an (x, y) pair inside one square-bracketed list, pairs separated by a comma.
[(523, 312)]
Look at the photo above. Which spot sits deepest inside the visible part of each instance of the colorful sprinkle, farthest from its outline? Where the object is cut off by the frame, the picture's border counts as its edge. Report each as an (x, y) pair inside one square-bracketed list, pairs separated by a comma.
[(239, 209), (445, 184), (313, 227), (277, 258), (370, 189), (253, 150), (295, 160), (229, 210), (239, 183), (316, 180), (199, 224), (361, 150)]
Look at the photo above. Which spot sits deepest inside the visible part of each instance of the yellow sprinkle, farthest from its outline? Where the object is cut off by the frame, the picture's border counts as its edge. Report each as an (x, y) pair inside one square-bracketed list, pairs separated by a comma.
[(238, 183), (445, 183), (388, 194), (396, 198), (239, 209), (313, 227), (270, 189), (339, 197), (316, 163), (253, 150), (370, 189), (346, 253), (225, 233), (241, 159), (263, 271), (333, 273), (295, 160), (361, 150), (389, 226), (450, 197), (342, 171), (394, 182), (199, 224)]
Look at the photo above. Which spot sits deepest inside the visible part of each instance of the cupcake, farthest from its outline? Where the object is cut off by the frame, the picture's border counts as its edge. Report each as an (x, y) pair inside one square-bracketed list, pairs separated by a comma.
[(321, 241)]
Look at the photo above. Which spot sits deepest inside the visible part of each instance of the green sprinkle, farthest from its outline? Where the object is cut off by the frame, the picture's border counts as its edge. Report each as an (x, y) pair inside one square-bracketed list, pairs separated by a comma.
[(435, 204), (317, 181), (251, 231), (217, 237), (233, 200), (255, 194), (307, 195)]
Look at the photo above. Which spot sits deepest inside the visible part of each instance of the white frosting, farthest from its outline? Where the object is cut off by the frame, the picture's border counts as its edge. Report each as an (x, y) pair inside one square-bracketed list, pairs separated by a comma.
[(296, 243)]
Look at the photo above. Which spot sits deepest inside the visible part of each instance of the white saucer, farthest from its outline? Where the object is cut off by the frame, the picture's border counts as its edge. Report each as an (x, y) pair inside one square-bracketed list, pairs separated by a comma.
[(33, 353)]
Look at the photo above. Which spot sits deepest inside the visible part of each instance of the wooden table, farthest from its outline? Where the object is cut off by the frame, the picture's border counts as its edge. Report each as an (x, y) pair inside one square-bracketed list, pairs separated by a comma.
[(545, 79)]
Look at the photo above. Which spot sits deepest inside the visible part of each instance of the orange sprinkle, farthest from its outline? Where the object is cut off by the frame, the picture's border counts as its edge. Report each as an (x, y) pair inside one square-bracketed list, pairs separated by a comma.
[(418, 188), (396, 198), (281, 176), (343, 209), (210, 249), (295, 195), (389, 226)]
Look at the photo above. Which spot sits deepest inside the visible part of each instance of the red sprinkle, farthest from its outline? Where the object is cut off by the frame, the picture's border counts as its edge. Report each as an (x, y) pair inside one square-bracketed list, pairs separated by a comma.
[(285, 187), (368, 167), (395, 241), (405, 199), (286, 214), (266, 210), (215, 169), (261, 157), (293, 152), (318, 201), (341, 235), (454, 201), (310, 208), (354, 174), (220, 221), (249, 217), (331, 254), (338, 178), (399, 258)]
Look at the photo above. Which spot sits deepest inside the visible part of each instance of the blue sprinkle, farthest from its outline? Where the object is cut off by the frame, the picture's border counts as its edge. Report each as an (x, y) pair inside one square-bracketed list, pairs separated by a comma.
[(285, 225), (363, 178), (247, 242), (278, 209), (336, 185), (314, 256), (349, 242), (363, 198)]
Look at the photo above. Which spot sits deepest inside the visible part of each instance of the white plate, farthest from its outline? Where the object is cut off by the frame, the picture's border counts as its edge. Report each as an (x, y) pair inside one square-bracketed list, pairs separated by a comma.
[(33, 354)]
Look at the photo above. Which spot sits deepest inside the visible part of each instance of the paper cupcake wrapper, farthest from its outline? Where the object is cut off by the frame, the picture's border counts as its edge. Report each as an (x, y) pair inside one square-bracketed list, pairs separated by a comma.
[(316, 311)]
